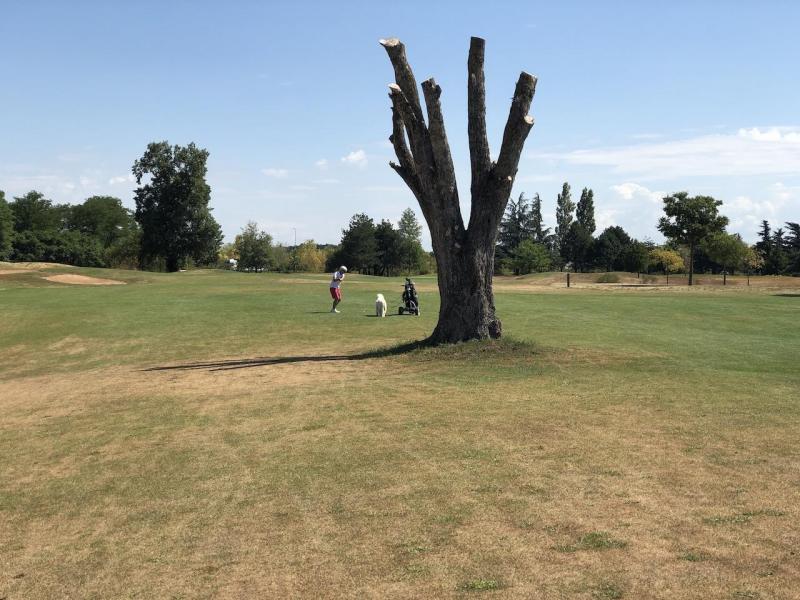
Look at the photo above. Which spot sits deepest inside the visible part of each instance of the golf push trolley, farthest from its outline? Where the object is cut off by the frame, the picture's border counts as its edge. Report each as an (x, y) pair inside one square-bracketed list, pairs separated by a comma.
[(410, 299)]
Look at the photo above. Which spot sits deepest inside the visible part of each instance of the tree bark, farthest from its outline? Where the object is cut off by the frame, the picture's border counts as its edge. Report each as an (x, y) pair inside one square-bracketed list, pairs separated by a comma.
[(464, 255), (691, 263)]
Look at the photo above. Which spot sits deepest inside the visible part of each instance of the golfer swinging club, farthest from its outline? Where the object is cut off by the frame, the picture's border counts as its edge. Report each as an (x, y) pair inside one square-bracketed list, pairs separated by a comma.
[(336, 291)]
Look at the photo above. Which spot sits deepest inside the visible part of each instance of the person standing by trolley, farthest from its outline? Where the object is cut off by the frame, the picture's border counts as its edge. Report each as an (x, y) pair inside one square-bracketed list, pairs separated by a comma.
[(336, 290)]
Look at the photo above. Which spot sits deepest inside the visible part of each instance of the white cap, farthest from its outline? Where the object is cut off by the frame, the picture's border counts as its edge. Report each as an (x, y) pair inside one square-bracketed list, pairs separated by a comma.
[(343, 268)]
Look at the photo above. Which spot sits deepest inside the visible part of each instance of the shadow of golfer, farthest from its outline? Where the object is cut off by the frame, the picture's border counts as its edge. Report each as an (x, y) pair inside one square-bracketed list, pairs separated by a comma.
[(268, 361)]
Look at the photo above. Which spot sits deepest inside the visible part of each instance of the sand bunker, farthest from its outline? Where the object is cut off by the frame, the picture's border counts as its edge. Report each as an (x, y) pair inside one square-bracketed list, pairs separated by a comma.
[(82, 280), (8, 271)]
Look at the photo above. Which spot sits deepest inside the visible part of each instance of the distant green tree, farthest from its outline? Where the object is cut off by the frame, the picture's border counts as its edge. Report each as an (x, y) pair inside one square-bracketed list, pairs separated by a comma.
[(539, 232), (254, 248), (635, 257), (67, 247), (578, 246), (530, 257), (124, 252), (515, 225), (584, 212), (6, 227), (764, 245), (34, 212), (726, 249), (690, 220), (358, 249), (609, 247), (408, 225), (388, 249), (793, 246), (172, 205), (777, 259), (414, 259), (564, 209), (101, 217)]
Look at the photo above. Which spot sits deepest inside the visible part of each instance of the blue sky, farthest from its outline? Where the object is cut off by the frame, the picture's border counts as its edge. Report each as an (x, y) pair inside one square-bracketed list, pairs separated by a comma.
[(635, 100)]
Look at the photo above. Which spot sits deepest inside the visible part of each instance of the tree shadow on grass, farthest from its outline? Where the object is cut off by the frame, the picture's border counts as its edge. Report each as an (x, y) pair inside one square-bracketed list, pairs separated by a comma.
[(267, 361), (787, 295)]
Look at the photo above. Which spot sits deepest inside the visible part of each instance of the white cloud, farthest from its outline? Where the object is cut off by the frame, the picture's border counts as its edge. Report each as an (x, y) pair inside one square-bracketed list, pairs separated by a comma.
[(638, 193), (357, 158), (322, 164), (121, 179), (631, 205), (747, 152), (327, 181), (276, 173), (784, 192), (302, 188), (605, 217), (773, 134)]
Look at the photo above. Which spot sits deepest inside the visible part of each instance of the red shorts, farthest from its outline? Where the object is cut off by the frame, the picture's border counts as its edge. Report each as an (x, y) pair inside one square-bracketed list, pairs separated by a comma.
[(336, 294)]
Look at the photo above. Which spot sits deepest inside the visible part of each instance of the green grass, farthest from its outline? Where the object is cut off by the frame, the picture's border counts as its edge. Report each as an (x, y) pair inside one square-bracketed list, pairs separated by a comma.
[(216, 434)]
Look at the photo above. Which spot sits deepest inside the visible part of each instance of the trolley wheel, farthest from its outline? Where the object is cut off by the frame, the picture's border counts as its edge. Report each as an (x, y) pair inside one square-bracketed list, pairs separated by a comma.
[(400, 310)]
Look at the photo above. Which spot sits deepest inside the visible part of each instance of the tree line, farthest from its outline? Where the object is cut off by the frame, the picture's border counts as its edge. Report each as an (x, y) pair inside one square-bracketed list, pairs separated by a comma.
[(381, 249), (172, 226), (253, 250), (696, 240)]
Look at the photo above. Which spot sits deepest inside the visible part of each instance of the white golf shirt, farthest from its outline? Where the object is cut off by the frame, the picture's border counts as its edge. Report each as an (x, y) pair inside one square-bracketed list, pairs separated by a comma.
[(337, 278)]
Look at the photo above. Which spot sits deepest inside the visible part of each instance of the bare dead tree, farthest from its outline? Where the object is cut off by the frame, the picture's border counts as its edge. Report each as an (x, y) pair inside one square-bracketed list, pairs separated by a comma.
[(464, 256)]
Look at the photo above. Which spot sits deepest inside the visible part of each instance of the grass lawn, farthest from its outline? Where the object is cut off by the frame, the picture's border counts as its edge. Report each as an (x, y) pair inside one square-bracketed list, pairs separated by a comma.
[(221, 435)]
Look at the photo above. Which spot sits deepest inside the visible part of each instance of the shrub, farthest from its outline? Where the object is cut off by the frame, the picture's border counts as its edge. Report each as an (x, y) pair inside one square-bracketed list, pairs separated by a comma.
[(608, 278)]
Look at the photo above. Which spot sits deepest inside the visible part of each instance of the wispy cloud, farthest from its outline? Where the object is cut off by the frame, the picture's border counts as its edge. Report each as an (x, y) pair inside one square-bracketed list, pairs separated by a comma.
[(322, 164), (754, 151), (121, 179), (357, 158), (275, 173), (637, 207)]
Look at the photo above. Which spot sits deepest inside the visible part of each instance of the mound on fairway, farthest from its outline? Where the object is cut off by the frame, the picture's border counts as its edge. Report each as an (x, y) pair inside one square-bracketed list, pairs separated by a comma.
[(82, 280)]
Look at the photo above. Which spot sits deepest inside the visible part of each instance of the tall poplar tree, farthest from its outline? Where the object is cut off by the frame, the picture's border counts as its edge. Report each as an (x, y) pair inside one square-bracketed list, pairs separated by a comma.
[(539, 232), (564, 208), (584, 213)]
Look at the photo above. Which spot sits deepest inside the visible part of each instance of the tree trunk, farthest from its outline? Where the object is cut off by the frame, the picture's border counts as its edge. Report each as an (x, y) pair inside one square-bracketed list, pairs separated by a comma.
[(691, 263), (467, 309), (464, 255)]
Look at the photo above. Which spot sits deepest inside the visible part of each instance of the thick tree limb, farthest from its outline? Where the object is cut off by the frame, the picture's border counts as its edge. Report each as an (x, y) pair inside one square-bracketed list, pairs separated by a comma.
[(518, 126), (487, 209), (476, 114), (398, 139), (446, 175), (403, 75), (419, 140)]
